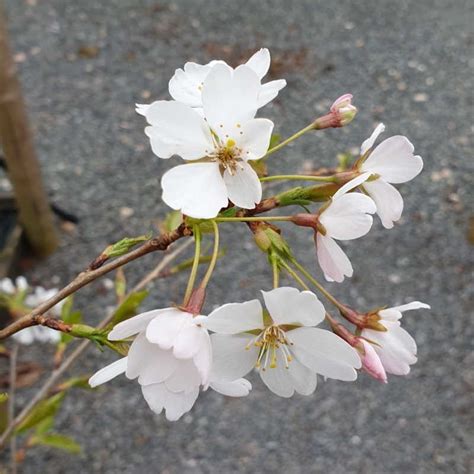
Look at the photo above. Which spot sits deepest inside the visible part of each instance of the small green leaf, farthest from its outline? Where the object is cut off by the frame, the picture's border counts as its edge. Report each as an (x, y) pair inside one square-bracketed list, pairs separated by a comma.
[(44, 409), (129, 307), (120, 284), (124, 246), (3, 397), (45, 425), (66, 308), (56, 440), (172, 220)]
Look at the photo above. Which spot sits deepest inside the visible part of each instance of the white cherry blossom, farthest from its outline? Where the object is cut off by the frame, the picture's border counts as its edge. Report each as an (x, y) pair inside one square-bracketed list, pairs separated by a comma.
[(283, 344), (187, 84), (223, 141), (171, 358), (345, 218), (395, 347), (391, 162)]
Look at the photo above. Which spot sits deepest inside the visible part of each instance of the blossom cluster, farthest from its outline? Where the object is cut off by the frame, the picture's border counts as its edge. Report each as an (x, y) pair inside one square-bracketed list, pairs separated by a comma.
[(22, 298), (177, 352)]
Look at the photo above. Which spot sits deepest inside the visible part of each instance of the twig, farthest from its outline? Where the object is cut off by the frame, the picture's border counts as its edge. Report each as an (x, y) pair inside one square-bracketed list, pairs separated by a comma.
[(161, 242), (56, 374), (11, 405)]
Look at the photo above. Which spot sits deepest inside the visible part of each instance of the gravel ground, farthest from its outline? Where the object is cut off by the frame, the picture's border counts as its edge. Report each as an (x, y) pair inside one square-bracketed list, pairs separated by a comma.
[(408, 63)]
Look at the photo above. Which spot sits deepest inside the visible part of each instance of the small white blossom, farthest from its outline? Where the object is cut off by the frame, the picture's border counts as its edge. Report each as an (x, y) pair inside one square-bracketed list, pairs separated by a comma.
[(171, 357), (395, 347), (39, 295), (345, 218), (285, 347), (392, 161), (224, 139)]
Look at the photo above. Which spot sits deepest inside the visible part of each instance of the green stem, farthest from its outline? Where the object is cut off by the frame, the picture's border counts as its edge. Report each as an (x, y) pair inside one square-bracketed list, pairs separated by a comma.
[(290, 139), (194, 268), (276, 273), (297, 177), (254, 219), (215, 255), (317, 284), (294, 275)]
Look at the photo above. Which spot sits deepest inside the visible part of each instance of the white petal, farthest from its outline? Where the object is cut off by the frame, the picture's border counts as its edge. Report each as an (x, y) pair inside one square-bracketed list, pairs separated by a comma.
[(203, 359), (231, 358), (388, 200), (353, 183), (369, 143), (394, 161), (22, 285), (395, 347), (197, 190), (185, 378), (188, 342), (304, 379), (269, 91), (332, 259), (134, 325), (176, 405), (108, 372), (233, 318), (346, 219), (278, 378), (411, 306), (148, 362), (325, 353), (288, 305), (164, 329), (177, 129), (236, 388), (260, 62), (186, 85), (141, 109), (253, 137), (229, 98), (25, 336), (7, 286), (243, 186)]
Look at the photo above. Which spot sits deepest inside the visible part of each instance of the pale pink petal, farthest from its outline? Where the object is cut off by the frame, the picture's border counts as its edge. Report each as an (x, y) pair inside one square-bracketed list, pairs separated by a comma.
[(371, 362), (233, 356), (177, 129), (388, 200), (347, 218), (411, 306), (186, 85), (203, 359), (369, 143), (185, 378), (236, 388), (197, 190), (332, 259), (260, 62), (394, 161), (288, 305), (187, 342), (109, 372), (234, 318), (243, 186)]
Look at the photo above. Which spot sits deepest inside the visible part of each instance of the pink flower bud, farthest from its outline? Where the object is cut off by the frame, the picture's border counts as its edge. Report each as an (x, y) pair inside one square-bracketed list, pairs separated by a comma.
[(343, 109), (371, 362)]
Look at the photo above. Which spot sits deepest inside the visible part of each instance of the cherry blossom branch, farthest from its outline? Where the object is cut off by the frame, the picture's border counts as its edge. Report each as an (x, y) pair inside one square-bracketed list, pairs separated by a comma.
[(57, 373), (159, 243)]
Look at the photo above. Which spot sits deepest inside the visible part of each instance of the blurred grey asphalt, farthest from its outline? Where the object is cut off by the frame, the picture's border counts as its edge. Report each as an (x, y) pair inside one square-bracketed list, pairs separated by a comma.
[(84, 64)]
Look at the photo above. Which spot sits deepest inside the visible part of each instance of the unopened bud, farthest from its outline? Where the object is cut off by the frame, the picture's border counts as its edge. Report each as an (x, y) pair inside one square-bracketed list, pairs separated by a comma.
[(371, 362), (344, 110)]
